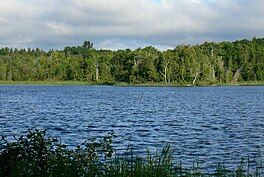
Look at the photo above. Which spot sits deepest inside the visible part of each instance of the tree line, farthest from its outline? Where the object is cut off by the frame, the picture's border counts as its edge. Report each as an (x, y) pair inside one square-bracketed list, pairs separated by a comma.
[(207, 63)]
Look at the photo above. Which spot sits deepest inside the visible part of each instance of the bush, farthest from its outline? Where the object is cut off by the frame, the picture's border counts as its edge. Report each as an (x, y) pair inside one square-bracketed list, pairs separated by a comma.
[(37, 154)]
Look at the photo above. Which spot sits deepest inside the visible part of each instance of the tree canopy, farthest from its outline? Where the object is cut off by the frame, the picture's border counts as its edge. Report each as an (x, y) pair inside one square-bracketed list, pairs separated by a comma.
[(207, 63)]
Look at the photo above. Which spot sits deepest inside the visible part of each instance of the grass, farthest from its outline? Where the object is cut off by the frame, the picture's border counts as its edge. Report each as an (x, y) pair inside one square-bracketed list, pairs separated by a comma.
[(48, 82), (148, 84), (37, 154), (186, 84)]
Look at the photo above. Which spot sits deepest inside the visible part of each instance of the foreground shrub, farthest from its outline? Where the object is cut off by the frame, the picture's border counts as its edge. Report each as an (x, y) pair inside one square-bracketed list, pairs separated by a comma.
[(37, 154)]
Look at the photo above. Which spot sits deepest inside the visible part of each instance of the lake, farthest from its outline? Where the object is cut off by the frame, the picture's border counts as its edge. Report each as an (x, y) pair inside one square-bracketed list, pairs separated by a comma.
[(214, 124)]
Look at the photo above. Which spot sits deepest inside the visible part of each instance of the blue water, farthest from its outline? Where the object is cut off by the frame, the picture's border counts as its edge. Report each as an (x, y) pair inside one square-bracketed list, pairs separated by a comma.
[(214, 124)]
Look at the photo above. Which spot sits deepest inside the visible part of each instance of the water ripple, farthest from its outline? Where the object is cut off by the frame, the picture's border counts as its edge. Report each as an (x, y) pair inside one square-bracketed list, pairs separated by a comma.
[(214, 124)]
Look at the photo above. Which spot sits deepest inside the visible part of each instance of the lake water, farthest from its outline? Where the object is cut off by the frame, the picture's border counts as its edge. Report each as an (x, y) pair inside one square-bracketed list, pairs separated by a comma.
[(214, 124)]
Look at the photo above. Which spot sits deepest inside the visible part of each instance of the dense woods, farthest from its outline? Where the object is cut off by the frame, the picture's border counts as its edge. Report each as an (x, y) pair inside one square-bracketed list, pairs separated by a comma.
[(204, 64)]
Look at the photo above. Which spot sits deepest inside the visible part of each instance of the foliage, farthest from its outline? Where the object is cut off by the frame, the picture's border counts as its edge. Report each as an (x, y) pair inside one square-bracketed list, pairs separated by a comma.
[(37, 154), (204, 64)]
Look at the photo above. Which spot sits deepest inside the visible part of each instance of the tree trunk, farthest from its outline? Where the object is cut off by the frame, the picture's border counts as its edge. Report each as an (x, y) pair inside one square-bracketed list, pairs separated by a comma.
[(195, 77), (97, 72), (165, 74)]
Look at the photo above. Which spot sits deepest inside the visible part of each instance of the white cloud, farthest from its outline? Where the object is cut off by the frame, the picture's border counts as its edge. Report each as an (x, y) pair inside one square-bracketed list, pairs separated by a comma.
[(127, 23)]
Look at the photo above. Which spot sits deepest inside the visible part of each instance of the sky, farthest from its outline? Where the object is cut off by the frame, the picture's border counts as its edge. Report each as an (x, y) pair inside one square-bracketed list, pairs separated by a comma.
[(120, 24)]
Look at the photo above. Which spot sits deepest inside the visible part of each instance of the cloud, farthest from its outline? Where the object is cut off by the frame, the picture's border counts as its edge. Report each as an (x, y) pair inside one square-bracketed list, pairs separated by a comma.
[(127, 23)]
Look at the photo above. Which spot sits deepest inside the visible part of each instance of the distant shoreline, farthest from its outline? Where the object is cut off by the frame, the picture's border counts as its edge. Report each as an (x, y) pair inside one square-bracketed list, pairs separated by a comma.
[(122, 84)]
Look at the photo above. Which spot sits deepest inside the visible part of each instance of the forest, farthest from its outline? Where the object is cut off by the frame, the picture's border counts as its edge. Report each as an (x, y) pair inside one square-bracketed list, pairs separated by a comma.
[(202, 64)]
